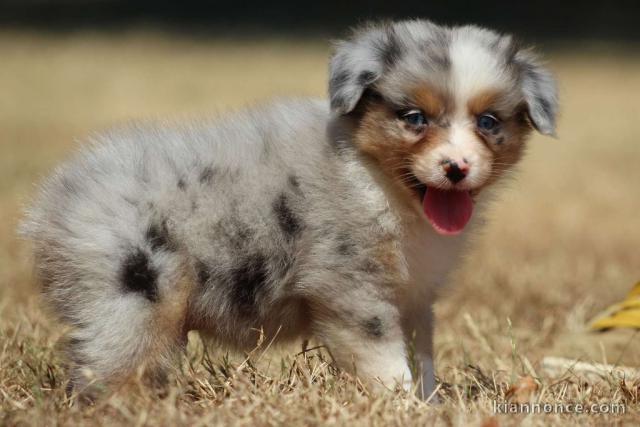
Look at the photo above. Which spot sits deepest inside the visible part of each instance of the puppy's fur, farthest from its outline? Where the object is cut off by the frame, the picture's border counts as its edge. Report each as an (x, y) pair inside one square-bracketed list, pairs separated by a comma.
[(297, 218)]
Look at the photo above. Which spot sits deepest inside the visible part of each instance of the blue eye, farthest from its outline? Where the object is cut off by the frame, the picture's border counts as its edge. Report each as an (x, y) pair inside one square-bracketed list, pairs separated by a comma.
[(414, 118), (487, 122)]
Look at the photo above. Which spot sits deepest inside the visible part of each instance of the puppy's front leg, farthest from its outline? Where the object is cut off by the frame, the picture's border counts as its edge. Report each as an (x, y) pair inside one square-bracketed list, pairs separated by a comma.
[(364, 335), (417, 323)]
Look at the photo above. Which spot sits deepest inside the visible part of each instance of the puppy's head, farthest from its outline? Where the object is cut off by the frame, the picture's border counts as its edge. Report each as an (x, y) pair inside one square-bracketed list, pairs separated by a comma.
[(443, 111)]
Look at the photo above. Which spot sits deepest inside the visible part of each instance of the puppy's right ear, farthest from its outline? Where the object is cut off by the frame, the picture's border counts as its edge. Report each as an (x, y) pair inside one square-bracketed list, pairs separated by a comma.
[(355, 66)]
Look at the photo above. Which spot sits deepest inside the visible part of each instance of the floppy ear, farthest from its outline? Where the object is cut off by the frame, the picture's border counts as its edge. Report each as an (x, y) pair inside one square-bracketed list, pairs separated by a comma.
[(356, 65), (540, 92)]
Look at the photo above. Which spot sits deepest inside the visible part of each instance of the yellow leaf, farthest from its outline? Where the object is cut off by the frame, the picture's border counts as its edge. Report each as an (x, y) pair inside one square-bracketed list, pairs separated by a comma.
[(625, 314), (635, 292)]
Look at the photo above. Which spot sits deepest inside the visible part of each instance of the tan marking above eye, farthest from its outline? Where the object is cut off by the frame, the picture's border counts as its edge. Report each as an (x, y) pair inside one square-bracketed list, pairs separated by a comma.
[(483, 102), (432, 103)]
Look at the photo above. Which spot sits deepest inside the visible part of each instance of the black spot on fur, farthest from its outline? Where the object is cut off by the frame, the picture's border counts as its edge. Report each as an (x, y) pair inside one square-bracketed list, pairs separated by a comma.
[(138, 275), (391, 52), (370, 266), (246, 282), (203, 273), (206, 176), (337, 83), (545, 106), (500, 140), (339, 79), (373, 327), (366, 78), (437, 51), (345, 246), (159, 238), (182, 184), (289, 222)]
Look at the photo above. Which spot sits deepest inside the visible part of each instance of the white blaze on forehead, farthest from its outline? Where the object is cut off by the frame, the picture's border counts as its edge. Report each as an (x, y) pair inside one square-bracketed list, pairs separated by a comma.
[(475, 68)]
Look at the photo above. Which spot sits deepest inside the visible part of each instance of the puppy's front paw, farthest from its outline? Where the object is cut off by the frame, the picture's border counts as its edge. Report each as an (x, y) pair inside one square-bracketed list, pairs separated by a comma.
[(427, 386)]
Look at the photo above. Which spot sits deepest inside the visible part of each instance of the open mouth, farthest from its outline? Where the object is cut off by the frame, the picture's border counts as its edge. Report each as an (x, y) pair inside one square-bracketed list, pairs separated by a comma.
[(448, 211)]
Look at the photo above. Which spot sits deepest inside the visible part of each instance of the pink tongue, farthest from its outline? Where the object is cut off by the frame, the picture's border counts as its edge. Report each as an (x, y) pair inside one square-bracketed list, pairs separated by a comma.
[(448, 211)]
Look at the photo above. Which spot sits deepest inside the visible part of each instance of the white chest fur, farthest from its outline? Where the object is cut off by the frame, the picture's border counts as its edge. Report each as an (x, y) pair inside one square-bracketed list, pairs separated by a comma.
[(430, 256)]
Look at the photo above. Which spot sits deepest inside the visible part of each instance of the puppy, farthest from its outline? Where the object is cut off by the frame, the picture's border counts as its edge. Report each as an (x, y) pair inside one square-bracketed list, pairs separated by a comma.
[(301, 218)]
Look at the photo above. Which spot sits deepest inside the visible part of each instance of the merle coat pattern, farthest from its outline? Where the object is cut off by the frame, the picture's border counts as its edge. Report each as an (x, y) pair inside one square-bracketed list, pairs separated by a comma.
[(275, 218)]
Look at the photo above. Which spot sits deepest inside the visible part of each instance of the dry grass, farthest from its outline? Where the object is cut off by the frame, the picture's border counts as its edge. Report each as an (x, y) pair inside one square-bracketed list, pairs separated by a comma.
[(562, 243)]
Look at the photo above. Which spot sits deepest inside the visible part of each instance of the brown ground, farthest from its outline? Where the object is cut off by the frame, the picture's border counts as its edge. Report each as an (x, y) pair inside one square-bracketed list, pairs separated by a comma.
[(562, 242)]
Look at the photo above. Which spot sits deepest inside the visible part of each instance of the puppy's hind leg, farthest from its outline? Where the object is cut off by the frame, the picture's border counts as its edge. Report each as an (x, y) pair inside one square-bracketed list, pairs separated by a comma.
[(140, 322)]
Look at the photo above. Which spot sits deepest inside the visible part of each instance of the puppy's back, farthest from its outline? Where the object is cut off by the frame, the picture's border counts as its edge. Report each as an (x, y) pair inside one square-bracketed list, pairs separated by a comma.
[(126, 209)]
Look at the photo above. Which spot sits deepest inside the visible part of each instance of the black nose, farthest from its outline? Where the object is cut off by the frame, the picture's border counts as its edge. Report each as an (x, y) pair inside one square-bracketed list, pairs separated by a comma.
[(454, 173)]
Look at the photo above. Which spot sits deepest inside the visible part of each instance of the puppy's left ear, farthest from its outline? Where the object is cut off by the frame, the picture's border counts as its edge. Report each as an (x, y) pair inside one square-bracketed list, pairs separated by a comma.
[(540, 92), (356, 65)]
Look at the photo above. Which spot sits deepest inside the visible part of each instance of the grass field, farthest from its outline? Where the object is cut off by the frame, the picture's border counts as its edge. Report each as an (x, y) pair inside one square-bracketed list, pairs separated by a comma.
[(561, 243)]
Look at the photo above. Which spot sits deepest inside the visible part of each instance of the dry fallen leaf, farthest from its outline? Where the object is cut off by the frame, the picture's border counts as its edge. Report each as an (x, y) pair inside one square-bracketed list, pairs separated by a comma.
[(521, 391), (625, 314)]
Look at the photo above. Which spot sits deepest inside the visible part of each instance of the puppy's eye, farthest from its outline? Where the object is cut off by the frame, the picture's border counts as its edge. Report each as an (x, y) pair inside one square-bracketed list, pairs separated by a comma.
[(487, 122), (414, 118)]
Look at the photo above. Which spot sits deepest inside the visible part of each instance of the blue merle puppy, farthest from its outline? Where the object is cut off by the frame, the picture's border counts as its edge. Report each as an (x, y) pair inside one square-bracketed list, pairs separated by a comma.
[(336, 220)]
